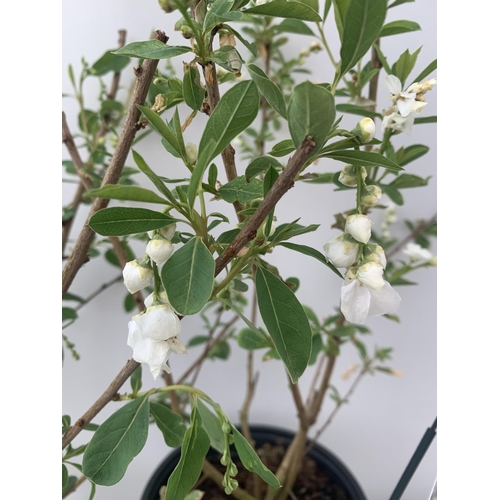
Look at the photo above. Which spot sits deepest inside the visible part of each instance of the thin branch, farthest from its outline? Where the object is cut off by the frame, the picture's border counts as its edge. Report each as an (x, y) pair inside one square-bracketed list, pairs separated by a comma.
[(78, 482), (101, 289), (312, 389), (144, 75), (68, 223), (297, 399)]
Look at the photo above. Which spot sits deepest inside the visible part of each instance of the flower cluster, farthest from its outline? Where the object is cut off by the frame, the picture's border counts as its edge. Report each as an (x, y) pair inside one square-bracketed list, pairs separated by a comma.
[(401, 115), (153, 334)]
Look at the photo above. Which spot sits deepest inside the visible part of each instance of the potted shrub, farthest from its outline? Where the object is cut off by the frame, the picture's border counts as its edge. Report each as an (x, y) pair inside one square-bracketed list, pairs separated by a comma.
[(204, 243)]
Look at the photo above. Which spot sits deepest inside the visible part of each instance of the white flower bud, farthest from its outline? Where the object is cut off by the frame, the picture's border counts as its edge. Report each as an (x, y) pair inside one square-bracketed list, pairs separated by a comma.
[(304, 53), (191, 152), (315, 47), (136, 277), (159, 249), (365, 130), (167, 231), (371, 195), (342, 251), (349, 176), (376, 254), (359, 227), (417, 253), (370, 274)]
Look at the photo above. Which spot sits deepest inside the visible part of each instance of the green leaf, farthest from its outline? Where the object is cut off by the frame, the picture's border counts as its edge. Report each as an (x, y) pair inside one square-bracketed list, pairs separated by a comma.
[(363, 159), (220, 350), (287, 231), (235, 112), (283, 8), (271, 92), (260, 165), (398, 27), (393, 194), (65, 477), (169, 423), (192, 90), (311, 112), (405, 64), (219, 13), (188, 277), (126, 193), (119, 221), (194, 449), (71, 482), (69, 313), (382, 59), (109, 63), (117, 441), (248, 339), (312, 252), (213, 427), (408, 181), (363, 22), (399, 2), (282, 148), (426, 119), (340, 11), (317, 345), (251, 460), (151, 49), (427, 71), (411, 153), (136, 377), (239, 189), (250, 46), (293, 26), (357, 110), (286, 322)]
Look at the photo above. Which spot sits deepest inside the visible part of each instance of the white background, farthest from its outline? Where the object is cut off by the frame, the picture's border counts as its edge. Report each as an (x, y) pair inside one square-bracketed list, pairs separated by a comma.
[(377, 432)]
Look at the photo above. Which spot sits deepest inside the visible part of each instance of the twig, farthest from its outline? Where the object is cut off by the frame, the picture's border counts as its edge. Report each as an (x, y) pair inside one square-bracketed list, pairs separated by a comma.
[(419, 229), (78, 482), (144, 75), (101, 289), (217, 477), (77, 199), (174, 398), (315, 379), (297, 399)]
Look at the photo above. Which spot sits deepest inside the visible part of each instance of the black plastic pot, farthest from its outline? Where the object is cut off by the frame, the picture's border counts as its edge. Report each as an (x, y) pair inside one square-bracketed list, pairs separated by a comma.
[(262, 434)]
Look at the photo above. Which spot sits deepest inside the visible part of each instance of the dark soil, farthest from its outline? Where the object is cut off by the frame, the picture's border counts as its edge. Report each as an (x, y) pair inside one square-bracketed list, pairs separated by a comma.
[(312, 482)]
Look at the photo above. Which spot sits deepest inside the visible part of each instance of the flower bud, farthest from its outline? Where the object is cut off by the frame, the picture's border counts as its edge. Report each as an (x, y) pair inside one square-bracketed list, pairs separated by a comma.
[(370, 195), (315, 47), (186, 32), (167, 5), (370, 274), (359, 227), (304, 53), (342, 251), (192, 152), (365, 130), (375, 253), (167, 231), (159, 249), (136, 276), (349, 176)]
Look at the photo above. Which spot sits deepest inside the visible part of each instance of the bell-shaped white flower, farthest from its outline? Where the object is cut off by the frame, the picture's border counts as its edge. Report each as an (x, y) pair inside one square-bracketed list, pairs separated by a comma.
[(370, 274), (136, 276), (358, 301), (167, 231), (375, 253), (192, 152), (342, 251), (365, 130), (349, 175), (417, 253), (371, 195), (159, 322), (359, 227), (159, 249)]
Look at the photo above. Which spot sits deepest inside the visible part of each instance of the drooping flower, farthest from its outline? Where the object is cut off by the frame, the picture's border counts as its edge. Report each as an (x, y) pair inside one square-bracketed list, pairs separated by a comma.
[(359, 227), (349, 176), (358, 300), (370, 274), (370, 195), (159, 249), (375, 253), (167, 231), (153, 335), (342, 251), (136, 276), (417, 253), (365, 130)]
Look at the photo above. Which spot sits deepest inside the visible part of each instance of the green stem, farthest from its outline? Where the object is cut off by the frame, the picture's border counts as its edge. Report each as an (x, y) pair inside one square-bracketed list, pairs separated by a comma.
[(156, 292), (359, 188)]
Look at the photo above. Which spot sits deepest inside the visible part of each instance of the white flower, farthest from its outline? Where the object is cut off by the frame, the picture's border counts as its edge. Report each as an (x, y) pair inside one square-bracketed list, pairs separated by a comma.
[(370, 274), (191, 152), (390, 215), (167, 231), (159, 249), (405, 101), (136, 277), (422, 88), (349, 176), (148, 301), (153, 335), (371, 195), (342, 252), (358, 301), (377, 254), (359, 227), (365, 129), (416, 252), (396, 122), (315, 47)]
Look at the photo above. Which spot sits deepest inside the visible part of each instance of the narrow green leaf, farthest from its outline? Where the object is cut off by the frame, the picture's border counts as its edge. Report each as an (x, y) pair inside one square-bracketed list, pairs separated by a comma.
[(65, 477), (405, 64), (236, 111), (151, 49), (69, 313), (393, 194), (312, 252), (293, 26), (357, 110), (268, 89), (382, 59), (311, 112), (119, 221), (117, 441), (426, 72), (194, 449), (169, 423), (340, 11), (126, 193), (398, 27), (283, 8), (408, 181), (213, 427), (425, 119), (286, 322), (363, 22), (260, 165), (282, 148), (399, 2), (411, 153), (192, 90), (109, 63), (239, 189), (251, 460), (188, 277), (287, 231), (364, 159), (249, 340)]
